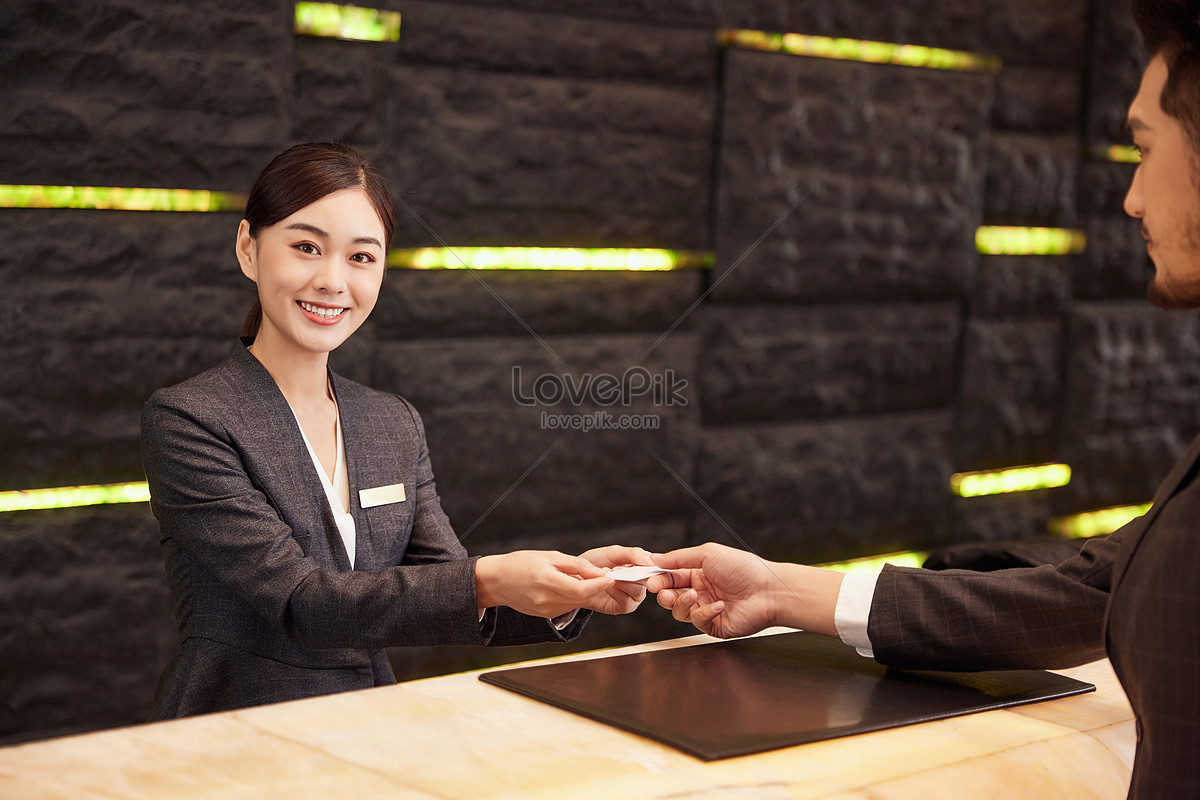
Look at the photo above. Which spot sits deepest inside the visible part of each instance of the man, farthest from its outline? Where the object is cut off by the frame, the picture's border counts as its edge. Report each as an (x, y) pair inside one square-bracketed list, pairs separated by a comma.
[(1134, 595)]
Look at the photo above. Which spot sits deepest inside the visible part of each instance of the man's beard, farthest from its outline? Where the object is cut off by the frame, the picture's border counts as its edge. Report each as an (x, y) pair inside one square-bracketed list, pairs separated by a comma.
[(1174, 295), (1169, 292)]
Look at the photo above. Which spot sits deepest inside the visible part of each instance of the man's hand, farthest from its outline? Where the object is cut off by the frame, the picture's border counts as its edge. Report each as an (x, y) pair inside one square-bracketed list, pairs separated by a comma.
[(726, 592), (722, 591)]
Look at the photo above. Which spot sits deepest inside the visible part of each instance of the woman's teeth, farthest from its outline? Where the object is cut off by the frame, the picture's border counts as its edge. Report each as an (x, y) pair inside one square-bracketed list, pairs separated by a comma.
[(321, 312)]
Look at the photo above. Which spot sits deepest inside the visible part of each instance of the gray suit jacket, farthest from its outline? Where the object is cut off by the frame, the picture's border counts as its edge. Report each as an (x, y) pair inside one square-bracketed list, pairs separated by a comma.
[(267, 605), (1134, 595)]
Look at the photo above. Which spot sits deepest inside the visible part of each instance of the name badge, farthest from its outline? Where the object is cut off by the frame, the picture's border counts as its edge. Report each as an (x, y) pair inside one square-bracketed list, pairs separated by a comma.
[(381, 495)]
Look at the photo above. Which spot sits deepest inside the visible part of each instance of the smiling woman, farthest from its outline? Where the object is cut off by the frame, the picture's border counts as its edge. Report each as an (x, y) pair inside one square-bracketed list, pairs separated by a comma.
[(301, 527)]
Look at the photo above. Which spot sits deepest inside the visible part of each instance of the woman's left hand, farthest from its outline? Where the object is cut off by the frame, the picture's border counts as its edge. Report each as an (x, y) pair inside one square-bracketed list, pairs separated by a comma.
[(623, 596)]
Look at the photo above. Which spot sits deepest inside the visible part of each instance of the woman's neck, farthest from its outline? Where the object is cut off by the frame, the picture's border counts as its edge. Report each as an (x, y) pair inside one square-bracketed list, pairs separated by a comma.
[(302, 377)]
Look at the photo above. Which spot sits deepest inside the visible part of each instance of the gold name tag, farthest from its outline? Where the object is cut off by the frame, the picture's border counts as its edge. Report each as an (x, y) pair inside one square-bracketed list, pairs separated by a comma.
[(381, 495)]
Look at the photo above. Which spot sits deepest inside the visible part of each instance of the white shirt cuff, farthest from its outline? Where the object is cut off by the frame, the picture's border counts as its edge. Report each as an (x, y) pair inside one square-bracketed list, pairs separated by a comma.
[(853, 610), (564, 620)]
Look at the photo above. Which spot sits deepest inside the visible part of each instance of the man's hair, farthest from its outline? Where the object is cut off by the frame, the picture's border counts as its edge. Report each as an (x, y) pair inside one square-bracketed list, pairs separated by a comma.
[(1171, 28)]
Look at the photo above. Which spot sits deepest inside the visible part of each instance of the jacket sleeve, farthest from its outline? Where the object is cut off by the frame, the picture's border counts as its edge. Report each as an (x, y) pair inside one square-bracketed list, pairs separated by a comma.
[(1042, 617), (210, 506), (433, 540)]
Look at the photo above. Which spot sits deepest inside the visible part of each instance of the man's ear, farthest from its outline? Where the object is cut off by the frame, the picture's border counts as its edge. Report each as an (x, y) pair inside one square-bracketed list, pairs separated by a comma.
[(246, 251)]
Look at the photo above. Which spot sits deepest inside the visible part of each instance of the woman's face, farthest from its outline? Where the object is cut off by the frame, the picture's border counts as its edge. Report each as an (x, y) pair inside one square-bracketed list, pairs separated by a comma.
[(318, 272)]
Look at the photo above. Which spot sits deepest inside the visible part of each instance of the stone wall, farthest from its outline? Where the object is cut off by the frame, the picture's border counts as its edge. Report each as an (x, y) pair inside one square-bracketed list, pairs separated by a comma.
[(849, 351)]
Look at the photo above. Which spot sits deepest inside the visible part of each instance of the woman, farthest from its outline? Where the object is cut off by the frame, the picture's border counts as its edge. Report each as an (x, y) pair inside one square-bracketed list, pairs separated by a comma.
[(301, 529)]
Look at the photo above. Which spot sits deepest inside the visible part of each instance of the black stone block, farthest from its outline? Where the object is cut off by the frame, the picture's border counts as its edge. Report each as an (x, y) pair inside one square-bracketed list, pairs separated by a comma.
[(826, 491), (1031, 179), (555, 44), (1011, 390), (487, 158), (1033, 99), (1034, 33), (1115, 70), (766, 363), (846, 181), (1132, 401), (1007, 286), (86, 623)]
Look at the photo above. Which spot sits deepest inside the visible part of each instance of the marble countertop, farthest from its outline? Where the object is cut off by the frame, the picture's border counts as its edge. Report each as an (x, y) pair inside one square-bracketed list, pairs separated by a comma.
[(456, 737)]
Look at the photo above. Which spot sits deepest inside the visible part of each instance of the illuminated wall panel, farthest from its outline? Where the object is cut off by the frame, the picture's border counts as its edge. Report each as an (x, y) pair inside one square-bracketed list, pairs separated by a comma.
[(1008, 240), (549, 258), (118, 198), (352, 23), (73, 496), (907, 55), (1015, 479)]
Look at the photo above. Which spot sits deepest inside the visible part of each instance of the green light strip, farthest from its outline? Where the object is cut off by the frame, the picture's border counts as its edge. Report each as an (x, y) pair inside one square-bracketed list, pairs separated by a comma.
[(908, 55), (998, 240), (118, 198), (353, 23), (549, 258), (1120, 153), (73, 496), (1015, 479), (1096, 523), (874, 564)]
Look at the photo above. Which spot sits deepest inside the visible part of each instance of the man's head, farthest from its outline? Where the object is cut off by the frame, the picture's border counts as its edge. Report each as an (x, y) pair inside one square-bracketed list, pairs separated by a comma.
[(1164, 118)]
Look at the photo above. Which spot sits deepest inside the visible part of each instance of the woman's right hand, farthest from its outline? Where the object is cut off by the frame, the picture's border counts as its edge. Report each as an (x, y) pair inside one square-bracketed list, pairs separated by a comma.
[(540, 583)]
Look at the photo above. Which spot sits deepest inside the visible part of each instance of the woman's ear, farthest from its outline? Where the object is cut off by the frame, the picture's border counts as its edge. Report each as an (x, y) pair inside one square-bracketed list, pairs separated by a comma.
[(246, 251)]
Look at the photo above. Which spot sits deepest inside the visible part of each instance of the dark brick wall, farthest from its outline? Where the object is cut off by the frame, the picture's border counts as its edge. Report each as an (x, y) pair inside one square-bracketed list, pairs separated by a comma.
[(848, 353)]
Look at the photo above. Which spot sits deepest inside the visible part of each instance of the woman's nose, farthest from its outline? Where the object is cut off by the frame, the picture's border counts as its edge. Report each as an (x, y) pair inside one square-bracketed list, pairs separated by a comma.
[(331, 277)]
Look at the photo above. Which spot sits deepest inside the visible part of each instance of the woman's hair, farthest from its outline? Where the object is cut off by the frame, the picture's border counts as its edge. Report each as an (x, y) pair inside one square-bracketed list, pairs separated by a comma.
[(302, 175), (1172, 28)]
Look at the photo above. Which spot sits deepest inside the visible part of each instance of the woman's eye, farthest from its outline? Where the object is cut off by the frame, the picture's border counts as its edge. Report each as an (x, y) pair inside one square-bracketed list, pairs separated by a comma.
[(307, 248), (363, 258)]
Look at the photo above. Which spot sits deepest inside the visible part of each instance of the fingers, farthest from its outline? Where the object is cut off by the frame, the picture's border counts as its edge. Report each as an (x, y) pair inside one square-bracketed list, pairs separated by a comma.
[(583, 590), (634, 591), (679, 603), (686, 558), (618, 556), (686, 607), (678, 579), (702, 616), (577, 565)]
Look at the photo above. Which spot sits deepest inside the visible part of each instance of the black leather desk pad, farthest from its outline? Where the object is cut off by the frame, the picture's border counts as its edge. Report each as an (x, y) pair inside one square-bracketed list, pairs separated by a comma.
[(746, 696)]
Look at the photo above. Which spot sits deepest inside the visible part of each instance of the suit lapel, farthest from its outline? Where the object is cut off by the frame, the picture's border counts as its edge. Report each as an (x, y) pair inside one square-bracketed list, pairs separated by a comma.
[(376, 456), (279, 441), (359, 472)]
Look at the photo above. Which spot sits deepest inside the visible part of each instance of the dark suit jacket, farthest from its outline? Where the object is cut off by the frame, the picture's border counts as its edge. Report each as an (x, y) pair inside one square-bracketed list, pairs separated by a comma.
[(1134, 595), (267, 605)]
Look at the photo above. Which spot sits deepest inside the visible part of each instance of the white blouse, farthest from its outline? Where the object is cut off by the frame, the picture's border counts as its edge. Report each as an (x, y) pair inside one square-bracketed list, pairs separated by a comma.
[(338, 490)]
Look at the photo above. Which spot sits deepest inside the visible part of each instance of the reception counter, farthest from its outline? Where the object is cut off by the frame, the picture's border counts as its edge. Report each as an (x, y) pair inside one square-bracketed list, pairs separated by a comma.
[(456, 737)]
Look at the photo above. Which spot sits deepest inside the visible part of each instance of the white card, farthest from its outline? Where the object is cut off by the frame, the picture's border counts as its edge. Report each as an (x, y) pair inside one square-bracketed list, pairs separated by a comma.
[(634, 573), (381, 495)]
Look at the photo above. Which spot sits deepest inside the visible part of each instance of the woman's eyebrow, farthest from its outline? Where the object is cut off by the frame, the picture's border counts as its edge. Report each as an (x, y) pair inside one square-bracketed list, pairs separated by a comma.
[(315, 231), (304, 226)]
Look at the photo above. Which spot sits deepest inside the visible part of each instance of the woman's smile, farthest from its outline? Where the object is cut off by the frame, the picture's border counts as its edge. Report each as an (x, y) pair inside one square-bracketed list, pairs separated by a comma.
[(322, 314)]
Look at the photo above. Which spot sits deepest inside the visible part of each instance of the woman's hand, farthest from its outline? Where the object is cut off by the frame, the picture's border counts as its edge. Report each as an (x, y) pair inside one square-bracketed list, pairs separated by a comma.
[(541, 583), (624, 596)]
